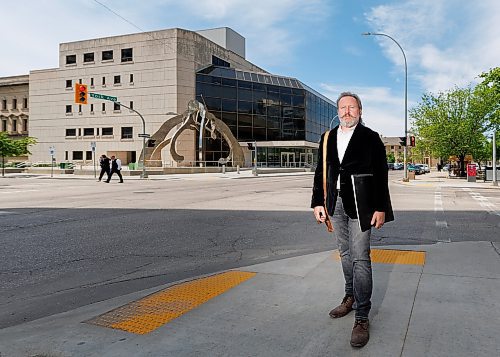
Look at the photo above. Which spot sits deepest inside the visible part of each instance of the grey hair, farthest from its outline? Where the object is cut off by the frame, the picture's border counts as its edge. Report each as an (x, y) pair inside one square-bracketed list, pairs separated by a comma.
[(349, 94)]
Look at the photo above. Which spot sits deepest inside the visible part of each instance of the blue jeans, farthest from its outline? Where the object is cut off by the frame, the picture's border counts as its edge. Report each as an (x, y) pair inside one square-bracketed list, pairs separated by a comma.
[(354, 249)]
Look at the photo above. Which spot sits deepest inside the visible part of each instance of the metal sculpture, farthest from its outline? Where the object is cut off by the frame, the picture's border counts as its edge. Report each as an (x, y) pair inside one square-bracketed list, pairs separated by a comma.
[(196, 117)]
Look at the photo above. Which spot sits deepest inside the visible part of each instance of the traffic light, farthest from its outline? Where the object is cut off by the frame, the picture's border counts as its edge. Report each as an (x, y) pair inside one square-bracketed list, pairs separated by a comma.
[(412, 140), (402, 140), (81, 93)]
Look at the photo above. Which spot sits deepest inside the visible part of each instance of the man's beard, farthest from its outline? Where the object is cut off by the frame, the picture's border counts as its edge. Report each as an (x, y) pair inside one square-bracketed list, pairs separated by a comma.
[(349, 124)]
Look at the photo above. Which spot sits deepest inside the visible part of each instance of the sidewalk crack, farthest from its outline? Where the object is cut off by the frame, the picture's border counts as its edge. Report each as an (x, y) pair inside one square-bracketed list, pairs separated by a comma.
[(411, 312), (495, 248)]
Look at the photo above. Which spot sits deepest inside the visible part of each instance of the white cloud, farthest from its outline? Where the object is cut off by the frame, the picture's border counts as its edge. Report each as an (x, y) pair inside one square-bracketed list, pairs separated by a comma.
[(446, 43), (383, 110)]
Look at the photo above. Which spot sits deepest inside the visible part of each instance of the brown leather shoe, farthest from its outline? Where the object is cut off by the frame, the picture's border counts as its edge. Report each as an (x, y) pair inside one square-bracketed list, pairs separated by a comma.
[(360, 334), (344, 308)]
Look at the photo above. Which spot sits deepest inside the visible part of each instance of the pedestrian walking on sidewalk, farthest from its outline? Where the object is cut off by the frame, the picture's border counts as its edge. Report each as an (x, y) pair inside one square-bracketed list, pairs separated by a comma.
[(352, 148), (104, 162), (116, 167)]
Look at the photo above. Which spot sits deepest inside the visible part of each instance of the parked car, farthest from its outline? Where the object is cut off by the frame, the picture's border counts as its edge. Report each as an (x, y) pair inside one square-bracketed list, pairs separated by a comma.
[(424, 167), (414, 168), (398, 166)]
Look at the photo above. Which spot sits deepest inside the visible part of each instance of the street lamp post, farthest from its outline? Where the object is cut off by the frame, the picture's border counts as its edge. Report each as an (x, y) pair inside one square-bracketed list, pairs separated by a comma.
[(331, 121), (406, 98)]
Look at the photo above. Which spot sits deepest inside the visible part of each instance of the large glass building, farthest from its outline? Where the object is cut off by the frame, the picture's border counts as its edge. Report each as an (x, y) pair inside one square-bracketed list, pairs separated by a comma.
[(280, 115)]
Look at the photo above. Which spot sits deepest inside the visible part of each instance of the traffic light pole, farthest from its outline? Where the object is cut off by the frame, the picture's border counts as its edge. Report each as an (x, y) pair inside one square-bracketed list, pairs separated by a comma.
[(144, 174)]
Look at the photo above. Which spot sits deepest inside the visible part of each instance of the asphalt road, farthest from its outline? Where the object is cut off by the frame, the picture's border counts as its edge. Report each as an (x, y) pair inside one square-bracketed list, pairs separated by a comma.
[(71, 242)]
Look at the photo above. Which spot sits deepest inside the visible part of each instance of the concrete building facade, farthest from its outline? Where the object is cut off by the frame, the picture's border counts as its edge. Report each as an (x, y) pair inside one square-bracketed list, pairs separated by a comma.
[(153, 72), (14, 105)]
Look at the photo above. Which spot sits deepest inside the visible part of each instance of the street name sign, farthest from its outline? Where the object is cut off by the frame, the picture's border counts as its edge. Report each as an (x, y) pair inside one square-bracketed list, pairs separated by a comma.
[(144, 135), (104, 97)]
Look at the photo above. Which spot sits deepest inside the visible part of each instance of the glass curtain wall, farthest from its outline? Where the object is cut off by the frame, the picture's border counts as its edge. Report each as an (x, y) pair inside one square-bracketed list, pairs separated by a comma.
[(261, 107)]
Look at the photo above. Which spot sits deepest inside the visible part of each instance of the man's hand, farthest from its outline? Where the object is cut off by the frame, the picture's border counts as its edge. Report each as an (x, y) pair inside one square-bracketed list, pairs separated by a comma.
[(319, 214), (378, 219)]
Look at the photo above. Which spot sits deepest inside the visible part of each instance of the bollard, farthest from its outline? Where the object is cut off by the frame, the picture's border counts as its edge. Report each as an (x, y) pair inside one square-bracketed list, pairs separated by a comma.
[(223, 169), (238, 169)]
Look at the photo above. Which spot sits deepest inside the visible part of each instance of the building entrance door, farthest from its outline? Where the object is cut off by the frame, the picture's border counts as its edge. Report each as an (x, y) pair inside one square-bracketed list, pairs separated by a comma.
[(287, 159), (306, 159)]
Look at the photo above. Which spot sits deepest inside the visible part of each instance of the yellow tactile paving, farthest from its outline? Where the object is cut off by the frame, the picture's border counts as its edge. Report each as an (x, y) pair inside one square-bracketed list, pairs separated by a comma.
[(392, 256), (147, 314)]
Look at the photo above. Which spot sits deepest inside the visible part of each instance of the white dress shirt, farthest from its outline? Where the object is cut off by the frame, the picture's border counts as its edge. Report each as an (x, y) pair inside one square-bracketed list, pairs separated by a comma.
[(343, 138)]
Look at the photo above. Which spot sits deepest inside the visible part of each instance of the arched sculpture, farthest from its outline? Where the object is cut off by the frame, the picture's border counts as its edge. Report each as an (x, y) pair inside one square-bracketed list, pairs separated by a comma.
[(194, 118)]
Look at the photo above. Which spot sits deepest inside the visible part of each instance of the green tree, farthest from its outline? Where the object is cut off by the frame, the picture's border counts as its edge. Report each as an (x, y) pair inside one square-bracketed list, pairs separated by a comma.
[(13, 147), (451, 123), (488, 91), (390, 157)]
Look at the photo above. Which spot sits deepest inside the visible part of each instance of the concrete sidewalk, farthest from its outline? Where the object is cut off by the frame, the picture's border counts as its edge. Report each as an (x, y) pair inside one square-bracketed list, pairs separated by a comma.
[(435, 178), (447, 307)]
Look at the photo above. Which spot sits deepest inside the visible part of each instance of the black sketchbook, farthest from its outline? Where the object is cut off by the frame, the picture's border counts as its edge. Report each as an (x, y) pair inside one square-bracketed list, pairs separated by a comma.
[(363, 187)]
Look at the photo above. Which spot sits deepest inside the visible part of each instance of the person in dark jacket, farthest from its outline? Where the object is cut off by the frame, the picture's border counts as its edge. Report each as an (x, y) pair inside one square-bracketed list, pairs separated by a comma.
[(352, 148), (104, 162), (116, 167)]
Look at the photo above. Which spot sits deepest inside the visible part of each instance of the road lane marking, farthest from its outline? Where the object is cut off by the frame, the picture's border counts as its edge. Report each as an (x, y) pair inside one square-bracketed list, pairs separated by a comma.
[(442, 224), (438, 201), (149, 313), (438, 209), (483, 202)]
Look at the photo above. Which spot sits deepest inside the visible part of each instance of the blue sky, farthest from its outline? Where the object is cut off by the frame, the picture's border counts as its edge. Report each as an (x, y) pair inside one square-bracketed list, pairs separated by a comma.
[(447, 42)]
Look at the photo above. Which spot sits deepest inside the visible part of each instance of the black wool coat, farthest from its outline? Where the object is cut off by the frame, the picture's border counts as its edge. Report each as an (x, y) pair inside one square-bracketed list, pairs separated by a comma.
[(365, 154)]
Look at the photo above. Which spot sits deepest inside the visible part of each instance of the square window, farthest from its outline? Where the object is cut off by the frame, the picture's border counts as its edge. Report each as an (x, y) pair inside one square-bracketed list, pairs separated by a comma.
[(88, 131), (117, 80), (69, 108), (107, 131), (69, 83), (107, 55), (71, 59), (88, 155), (127, 132), (77, 155), (116, 106), (70, 132), (131, 78), (88, 57), (126, 55)]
